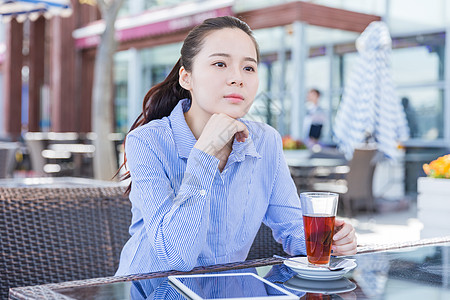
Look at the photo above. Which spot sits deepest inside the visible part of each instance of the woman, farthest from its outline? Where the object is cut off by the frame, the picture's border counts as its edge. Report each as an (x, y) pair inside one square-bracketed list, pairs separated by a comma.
[(203, 179)]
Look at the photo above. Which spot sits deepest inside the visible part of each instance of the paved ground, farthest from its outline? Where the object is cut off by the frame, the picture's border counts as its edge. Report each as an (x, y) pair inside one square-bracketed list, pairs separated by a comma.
[(394, 223)]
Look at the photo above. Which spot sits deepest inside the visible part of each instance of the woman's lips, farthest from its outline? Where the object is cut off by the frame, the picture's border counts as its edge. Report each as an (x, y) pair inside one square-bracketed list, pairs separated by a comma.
[(234, 98)]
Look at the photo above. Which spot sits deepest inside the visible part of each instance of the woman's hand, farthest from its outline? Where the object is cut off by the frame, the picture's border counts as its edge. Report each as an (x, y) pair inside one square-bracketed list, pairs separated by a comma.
[(218, 132), (344, 239)]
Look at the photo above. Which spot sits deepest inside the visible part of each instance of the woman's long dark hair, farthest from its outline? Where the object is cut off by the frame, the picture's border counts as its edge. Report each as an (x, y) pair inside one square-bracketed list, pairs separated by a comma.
[(162, 98)]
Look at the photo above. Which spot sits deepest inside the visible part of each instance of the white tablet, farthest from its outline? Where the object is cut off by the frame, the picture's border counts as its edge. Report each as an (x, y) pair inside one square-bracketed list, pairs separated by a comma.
[(228, 286)]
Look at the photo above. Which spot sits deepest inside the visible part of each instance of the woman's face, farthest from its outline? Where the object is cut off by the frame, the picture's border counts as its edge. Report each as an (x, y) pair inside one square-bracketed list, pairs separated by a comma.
[(224, 76)]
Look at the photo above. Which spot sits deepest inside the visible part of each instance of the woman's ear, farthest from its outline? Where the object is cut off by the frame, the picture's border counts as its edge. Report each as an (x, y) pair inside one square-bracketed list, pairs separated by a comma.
[(184, 78)]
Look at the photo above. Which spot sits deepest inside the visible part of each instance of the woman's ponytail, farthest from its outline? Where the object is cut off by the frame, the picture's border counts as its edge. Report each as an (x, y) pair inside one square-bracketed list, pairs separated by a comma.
[(159, 102), (162, 98)]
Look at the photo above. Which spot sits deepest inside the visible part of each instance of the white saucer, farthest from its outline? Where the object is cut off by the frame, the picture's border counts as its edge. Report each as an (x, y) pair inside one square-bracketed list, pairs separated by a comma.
[(317, 273), (311, 286)]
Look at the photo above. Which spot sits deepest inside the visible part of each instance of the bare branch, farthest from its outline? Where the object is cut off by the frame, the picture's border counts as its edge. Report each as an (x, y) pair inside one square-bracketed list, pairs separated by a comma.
[(103, 7)]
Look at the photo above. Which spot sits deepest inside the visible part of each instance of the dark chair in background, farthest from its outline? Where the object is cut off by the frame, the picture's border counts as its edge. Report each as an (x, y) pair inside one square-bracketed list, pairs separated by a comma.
[(66, 153), (52, 235), (8, 158), (265, 245), (356, 186), (45, 161)]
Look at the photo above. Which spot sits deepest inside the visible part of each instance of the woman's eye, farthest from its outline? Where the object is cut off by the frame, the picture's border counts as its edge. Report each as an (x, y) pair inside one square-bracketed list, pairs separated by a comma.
[(220, 64), (250, 69)]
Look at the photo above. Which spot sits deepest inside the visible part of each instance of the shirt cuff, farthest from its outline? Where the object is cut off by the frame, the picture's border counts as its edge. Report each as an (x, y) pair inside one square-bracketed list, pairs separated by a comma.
[(200, 171)]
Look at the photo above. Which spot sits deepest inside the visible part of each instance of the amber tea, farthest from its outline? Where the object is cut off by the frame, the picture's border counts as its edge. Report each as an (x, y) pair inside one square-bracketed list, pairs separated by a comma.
[(319, 237), (319, 211)]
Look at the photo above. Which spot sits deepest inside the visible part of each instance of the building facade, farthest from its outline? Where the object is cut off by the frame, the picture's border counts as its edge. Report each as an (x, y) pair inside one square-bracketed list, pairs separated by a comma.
[(303, 44)]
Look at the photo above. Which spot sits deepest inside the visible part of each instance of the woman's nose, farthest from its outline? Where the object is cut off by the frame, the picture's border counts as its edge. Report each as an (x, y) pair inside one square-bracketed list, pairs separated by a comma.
[(236, 82), (236, 78)]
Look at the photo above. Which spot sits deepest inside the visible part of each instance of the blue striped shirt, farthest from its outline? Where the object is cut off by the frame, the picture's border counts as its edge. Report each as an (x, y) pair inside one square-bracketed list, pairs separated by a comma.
[(187, 213)]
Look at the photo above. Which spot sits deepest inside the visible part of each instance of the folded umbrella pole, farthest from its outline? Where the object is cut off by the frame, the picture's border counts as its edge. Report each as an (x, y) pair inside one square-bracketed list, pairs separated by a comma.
[(370, 106)]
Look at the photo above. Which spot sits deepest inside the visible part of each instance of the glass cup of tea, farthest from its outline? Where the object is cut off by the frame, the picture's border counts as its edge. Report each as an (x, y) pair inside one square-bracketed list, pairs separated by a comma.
[(319, 211)]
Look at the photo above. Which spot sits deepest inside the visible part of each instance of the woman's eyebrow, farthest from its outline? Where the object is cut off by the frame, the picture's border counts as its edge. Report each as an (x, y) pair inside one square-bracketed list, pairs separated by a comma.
[(247, 58), (220, 54)]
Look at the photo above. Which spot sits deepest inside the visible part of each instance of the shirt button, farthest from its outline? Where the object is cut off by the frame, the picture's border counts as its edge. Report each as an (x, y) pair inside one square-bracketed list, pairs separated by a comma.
[(202, 192)]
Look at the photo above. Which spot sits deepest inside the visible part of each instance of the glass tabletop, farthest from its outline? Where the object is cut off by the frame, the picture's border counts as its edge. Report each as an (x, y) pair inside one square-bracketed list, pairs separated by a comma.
[(407, 273), (60, 182)]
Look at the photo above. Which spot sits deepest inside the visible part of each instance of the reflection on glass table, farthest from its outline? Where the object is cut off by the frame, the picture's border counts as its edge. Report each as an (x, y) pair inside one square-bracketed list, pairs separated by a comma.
[(418, 272)]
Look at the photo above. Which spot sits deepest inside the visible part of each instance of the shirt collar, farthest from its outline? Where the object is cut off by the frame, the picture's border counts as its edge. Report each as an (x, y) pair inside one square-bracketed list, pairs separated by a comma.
[(182, 134), (185, 140)]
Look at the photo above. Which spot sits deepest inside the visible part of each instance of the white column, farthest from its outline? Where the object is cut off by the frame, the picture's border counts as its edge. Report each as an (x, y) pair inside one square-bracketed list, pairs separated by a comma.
[(329, 95), (134, 86), (386, 18), (299, 55), (282, 81)]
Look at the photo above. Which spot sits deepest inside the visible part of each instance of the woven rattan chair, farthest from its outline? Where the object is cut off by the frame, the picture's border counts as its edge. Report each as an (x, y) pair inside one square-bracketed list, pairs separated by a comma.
[(60, 234), (265, 245)]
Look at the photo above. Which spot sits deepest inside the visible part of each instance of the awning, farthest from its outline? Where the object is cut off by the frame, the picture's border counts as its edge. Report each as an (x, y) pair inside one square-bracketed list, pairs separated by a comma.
[(32, 9), (155, 22)]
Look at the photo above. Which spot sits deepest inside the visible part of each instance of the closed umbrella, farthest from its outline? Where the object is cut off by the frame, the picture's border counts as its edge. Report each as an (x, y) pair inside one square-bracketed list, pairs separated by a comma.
[(32, 9), (370, 108)]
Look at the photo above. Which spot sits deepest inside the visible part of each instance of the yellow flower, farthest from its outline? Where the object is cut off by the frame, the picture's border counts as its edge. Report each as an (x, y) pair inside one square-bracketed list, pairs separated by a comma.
[(89, 2), (438, 168)]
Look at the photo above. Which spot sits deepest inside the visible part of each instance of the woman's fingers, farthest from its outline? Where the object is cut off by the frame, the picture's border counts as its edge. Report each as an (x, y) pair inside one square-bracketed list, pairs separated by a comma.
[(219, 130), (242, 132), (343, 230), (344, 239), (345, 249)]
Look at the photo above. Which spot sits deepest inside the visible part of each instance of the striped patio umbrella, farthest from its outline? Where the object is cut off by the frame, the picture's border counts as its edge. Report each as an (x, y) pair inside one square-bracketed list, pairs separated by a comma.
[(370, 109), (32, 9)]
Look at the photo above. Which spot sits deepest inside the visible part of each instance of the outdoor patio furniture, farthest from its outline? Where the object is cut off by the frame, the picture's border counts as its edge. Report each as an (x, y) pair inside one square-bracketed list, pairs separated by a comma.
[(412, 270), (45, 161), (59, 234), (66, 153), (51, 235), (355, 186), (7, 158)]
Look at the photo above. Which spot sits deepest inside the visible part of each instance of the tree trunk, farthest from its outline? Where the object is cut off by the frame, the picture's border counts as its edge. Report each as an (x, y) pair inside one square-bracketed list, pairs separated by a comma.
[(105, 161)]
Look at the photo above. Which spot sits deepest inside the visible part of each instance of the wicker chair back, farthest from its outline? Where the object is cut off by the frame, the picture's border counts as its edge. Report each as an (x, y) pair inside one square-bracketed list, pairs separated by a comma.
[(50, 235)]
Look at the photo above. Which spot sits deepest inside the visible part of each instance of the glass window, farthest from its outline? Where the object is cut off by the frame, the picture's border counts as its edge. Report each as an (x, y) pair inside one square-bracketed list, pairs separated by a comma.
[(121, 91), (124, 9), (417, 64), (157, 63), (148, 4), (424, 112), (413, 16), (242, 5), (349, 61), (317, 73)]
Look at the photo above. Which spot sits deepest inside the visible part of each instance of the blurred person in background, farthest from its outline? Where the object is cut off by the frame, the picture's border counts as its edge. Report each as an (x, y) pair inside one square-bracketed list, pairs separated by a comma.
[(314, 119), (410, 117)]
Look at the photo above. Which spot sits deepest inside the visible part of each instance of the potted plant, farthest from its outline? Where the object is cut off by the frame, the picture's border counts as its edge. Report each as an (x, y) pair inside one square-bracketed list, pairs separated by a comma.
[(292, 144), (294, 149), (433, 200)]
